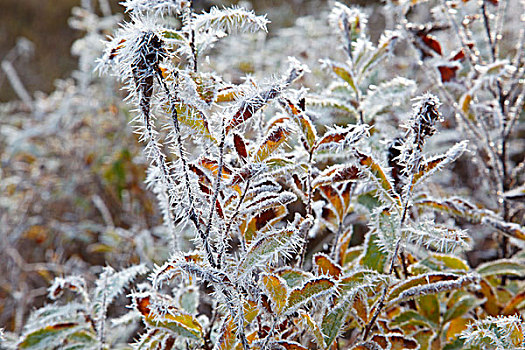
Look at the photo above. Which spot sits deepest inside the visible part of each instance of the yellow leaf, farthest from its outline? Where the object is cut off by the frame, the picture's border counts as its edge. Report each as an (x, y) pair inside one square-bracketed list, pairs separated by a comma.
[(277, 291), (311, 289), (456, 326), (173, 320)]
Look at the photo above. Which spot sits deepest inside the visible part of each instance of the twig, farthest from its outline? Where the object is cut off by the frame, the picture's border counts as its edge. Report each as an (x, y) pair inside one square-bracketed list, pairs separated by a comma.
[(218, 181), (308, 209), (192, 215)]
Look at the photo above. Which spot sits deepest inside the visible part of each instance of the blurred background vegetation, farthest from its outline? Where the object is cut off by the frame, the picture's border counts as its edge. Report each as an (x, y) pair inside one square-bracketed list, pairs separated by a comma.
[(45, 24)]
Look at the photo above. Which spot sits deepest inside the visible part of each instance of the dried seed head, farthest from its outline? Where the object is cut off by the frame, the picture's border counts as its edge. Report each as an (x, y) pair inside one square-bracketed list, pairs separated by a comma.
[(151, 52), (422, 124)]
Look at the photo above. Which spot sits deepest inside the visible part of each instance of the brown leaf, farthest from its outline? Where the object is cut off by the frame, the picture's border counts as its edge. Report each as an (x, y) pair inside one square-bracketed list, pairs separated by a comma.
[(396, 341), (240, 146), (335, 174), (251, 105)]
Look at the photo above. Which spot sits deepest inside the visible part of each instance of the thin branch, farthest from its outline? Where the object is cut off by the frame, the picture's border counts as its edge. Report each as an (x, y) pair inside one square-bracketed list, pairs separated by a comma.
[(192, 214), (308, 208)]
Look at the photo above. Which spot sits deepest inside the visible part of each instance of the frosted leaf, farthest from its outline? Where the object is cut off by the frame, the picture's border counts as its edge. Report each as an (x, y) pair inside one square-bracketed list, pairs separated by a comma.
[(338, 138), (497, 333), (230, 20), (426, 233), (267, 200), (350, 22), (76, 284), (267, 248), (434, 288), (436, 163), (158, 7), (388, 95), (112, 283)]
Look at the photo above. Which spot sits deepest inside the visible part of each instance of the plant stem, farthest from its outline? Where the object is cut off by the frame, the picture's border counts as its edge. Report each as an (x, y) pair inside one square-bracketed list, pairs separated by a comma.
[(192, 214), (308, 208), (236, 212), (381, 303), (218, 181)]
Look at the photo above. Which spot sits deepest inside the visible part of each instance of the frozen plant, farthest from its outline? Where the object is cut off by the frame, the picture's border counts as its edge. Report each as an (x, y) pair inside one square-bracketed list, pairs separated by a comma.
[(293, 226)]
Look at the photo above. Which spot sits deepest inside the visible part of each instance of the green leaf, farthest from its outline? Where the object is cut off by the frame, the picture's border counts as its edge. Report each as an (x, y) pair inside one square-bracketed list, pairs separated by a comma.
[(451, 262), (342, 71), (50, 337), (293, 277), (173, 34), (369, 200), (333, 320), (461, 307), (409, 317), (428, 306), (373, 257), (457, 344), (502, 267)]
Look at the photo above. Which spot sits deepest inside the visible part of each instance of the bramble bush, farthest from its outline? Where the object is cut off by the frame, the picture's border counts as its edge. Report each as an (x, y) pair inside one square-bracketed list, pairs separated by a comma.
[(297, 201)]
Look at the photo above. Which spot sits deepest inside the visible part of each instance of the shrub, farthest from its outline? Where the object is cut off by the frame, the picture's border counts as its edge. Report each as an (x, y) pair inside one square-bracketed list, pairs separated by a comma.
[(307, 219)]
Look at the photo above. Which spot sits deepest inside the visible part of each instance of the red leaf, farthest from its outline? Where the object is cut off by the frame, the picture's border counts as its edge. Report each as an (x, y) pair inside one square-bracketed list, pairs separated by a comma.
[(447, 73), (458, 56), (431, 42)]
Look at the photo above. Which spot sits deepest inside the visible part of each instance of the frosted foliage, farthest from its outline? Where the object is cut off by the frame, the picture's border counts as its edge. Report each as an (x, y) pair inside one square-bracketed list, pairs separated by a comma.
[(334, 184)]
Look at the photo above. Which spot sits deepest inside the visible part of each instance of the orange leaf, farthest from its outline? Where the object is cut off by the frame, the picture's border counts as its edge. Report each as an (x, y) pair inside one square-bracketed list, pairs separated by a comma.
[(227, 336), (276, 136), (262, 220), (361, 308), (326, 266), (456, 326), (515, 304), (303, 121), (334, 198)]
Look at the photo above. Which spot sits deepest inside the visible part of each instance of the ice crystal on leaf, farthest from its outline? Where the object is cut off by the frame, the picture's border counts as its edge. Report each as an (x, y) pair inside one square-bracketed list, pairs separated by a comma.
[(299, 198)]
